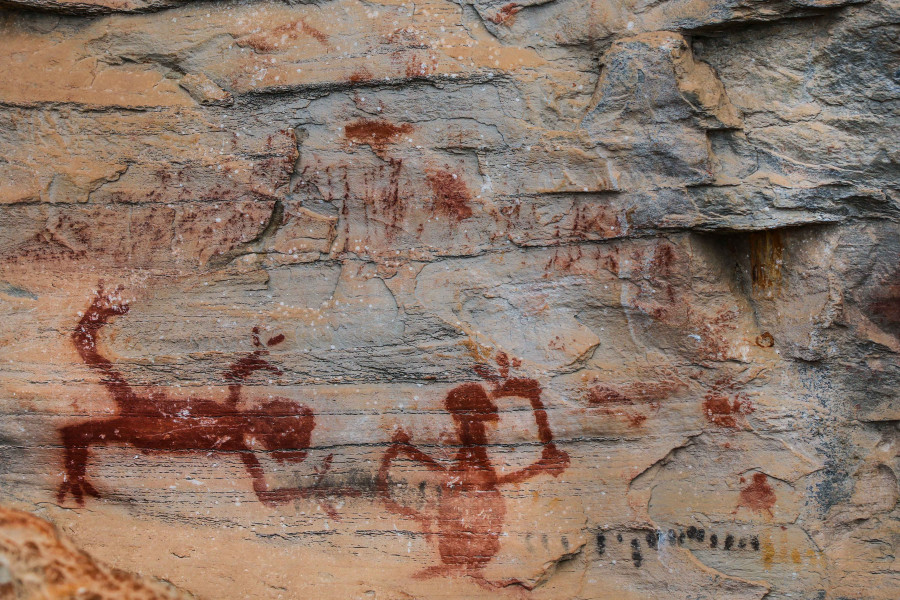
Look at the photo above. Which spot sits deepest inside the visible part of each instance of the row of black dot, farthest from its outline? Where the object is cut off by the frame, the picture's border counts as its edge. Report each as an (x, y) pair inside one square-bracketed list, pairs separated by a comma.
[(654, 538)]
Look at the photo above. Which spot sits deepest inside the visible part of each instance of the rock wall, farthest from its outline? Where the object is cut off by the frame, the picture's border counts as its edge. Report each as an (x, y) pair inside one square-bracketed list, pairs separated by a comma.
[(556, 299)]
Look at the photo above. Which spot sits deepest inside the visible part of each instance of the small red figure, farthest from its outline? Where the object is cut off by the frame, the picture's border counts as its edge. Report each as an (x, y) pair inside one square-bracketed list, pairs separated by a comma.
[(155, 422), (471, 511)]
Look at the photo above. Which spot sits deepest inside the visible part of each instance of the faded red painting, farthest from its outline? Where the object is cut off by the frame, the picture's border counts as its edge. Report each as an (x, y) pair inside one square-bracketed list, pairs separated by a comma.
[(154, 422), (468, 520), (725, 405), (759, 495)]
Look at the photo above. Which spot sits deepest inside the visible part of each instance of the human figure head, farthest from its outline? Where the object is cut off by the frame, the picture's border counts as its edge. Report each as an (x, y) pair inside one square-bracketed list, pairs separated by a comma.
[(470, 405)]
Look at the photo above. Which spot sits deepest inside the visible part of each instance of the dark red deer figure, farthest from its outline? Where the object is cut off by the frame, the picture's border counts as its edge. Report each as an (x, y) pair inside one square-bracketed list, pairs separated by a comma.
[(152, 421)]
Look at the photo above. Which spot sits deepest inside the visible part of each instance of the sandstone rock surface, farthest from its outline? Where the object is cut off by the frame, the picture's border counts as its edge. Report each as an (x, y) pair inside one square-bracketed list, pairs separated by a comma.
[(37, 562), (549, 299)]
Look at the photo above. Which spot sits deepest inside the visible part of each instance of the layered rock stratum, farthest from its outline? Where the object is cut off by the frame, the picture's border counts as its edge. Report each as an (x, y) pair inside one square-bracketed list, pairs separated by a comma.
[(552, 299)]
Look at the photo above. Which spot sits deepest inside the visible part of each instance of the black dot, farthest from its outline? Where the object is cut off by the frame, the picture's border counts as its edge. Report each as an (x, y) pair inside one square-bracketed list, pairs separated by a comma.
[(636, 552), (742, 544), (713, 541), (729, 541), (651, 539), (754, 543), (619, 537), (701, 535), (691, 532), (601, 544)]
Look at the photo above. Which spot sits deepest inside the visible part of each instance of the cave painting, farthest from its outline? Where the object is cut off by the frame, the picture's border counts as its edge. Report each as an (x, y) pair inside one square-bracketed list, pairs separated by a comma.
[(151, 421), (469, 516)]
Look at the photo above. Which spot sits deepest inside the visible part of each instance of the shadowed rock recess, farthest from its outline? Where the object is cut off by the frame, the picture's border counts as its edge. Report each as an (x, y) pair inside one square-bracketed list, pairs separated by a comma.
[(551, 299)]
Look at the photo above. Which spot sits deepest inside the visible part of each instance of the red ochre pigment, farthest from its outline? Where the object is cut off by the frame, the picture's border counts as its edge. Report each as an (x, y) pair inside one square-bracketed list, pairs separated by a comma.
[(152, 421), (468, 519)]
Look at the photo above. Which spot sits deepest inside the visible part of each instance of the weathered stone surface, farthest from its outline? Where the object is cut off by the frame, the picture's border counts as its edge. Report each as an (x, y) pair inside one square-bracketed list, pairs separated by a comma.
[(555, 299), (37, 562)]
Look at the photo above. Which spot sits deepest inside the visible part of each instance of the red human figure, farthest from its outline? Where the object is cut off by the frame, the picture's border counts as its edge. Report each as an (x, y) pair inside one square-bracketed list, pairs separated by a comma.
[(153, 422), (469, 518)]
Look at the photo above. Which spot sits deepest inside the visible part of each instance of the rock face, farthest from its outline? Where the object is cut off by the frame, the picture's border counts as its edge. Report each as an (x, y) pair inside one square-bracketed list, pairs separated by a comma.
[(37, 562), (548, 299)]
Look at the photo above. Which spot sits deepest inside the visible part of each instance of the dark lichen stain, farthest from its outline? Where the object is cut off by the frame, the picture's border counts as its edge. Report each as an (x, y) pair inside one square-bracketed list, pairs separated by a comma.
[(766, 259), (884, 303)]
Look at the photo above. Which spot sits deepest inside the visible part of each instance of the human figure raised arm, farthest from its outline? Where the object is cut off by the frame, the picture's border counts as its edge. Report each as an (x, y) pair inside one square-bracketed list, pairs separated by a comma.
[(553, 461), (400, 445)]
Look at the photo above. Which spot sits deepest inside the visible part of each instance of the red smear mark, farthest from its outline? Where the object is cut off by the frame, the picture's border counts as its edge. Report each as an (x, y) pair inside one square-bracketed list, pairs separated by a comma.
[(663, 280), (270, 40), (376, 196), (486, 373), (724, 406), (595, 221), (759, 495), (504, 362), (635, 402), (451, 194), (657, 275), (361, 74), (151, 421), (417, 67), (714, 332), (377, 134), (663, 260), (468, 519), (385, 199), (506, 14)]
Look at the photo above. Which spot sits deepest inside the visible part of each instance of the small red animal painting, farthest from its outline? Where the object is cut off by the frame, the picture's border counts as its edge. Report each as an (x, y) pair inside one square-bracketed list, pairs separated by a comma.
[(152, 421)]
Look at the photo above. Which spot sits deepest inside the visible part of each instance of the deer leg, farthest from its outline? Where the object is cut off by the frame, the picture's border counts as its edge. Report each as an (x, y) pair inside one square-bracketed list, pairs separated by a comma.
[(76, 439), (323, 470), (268, 497), (256, 472)]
